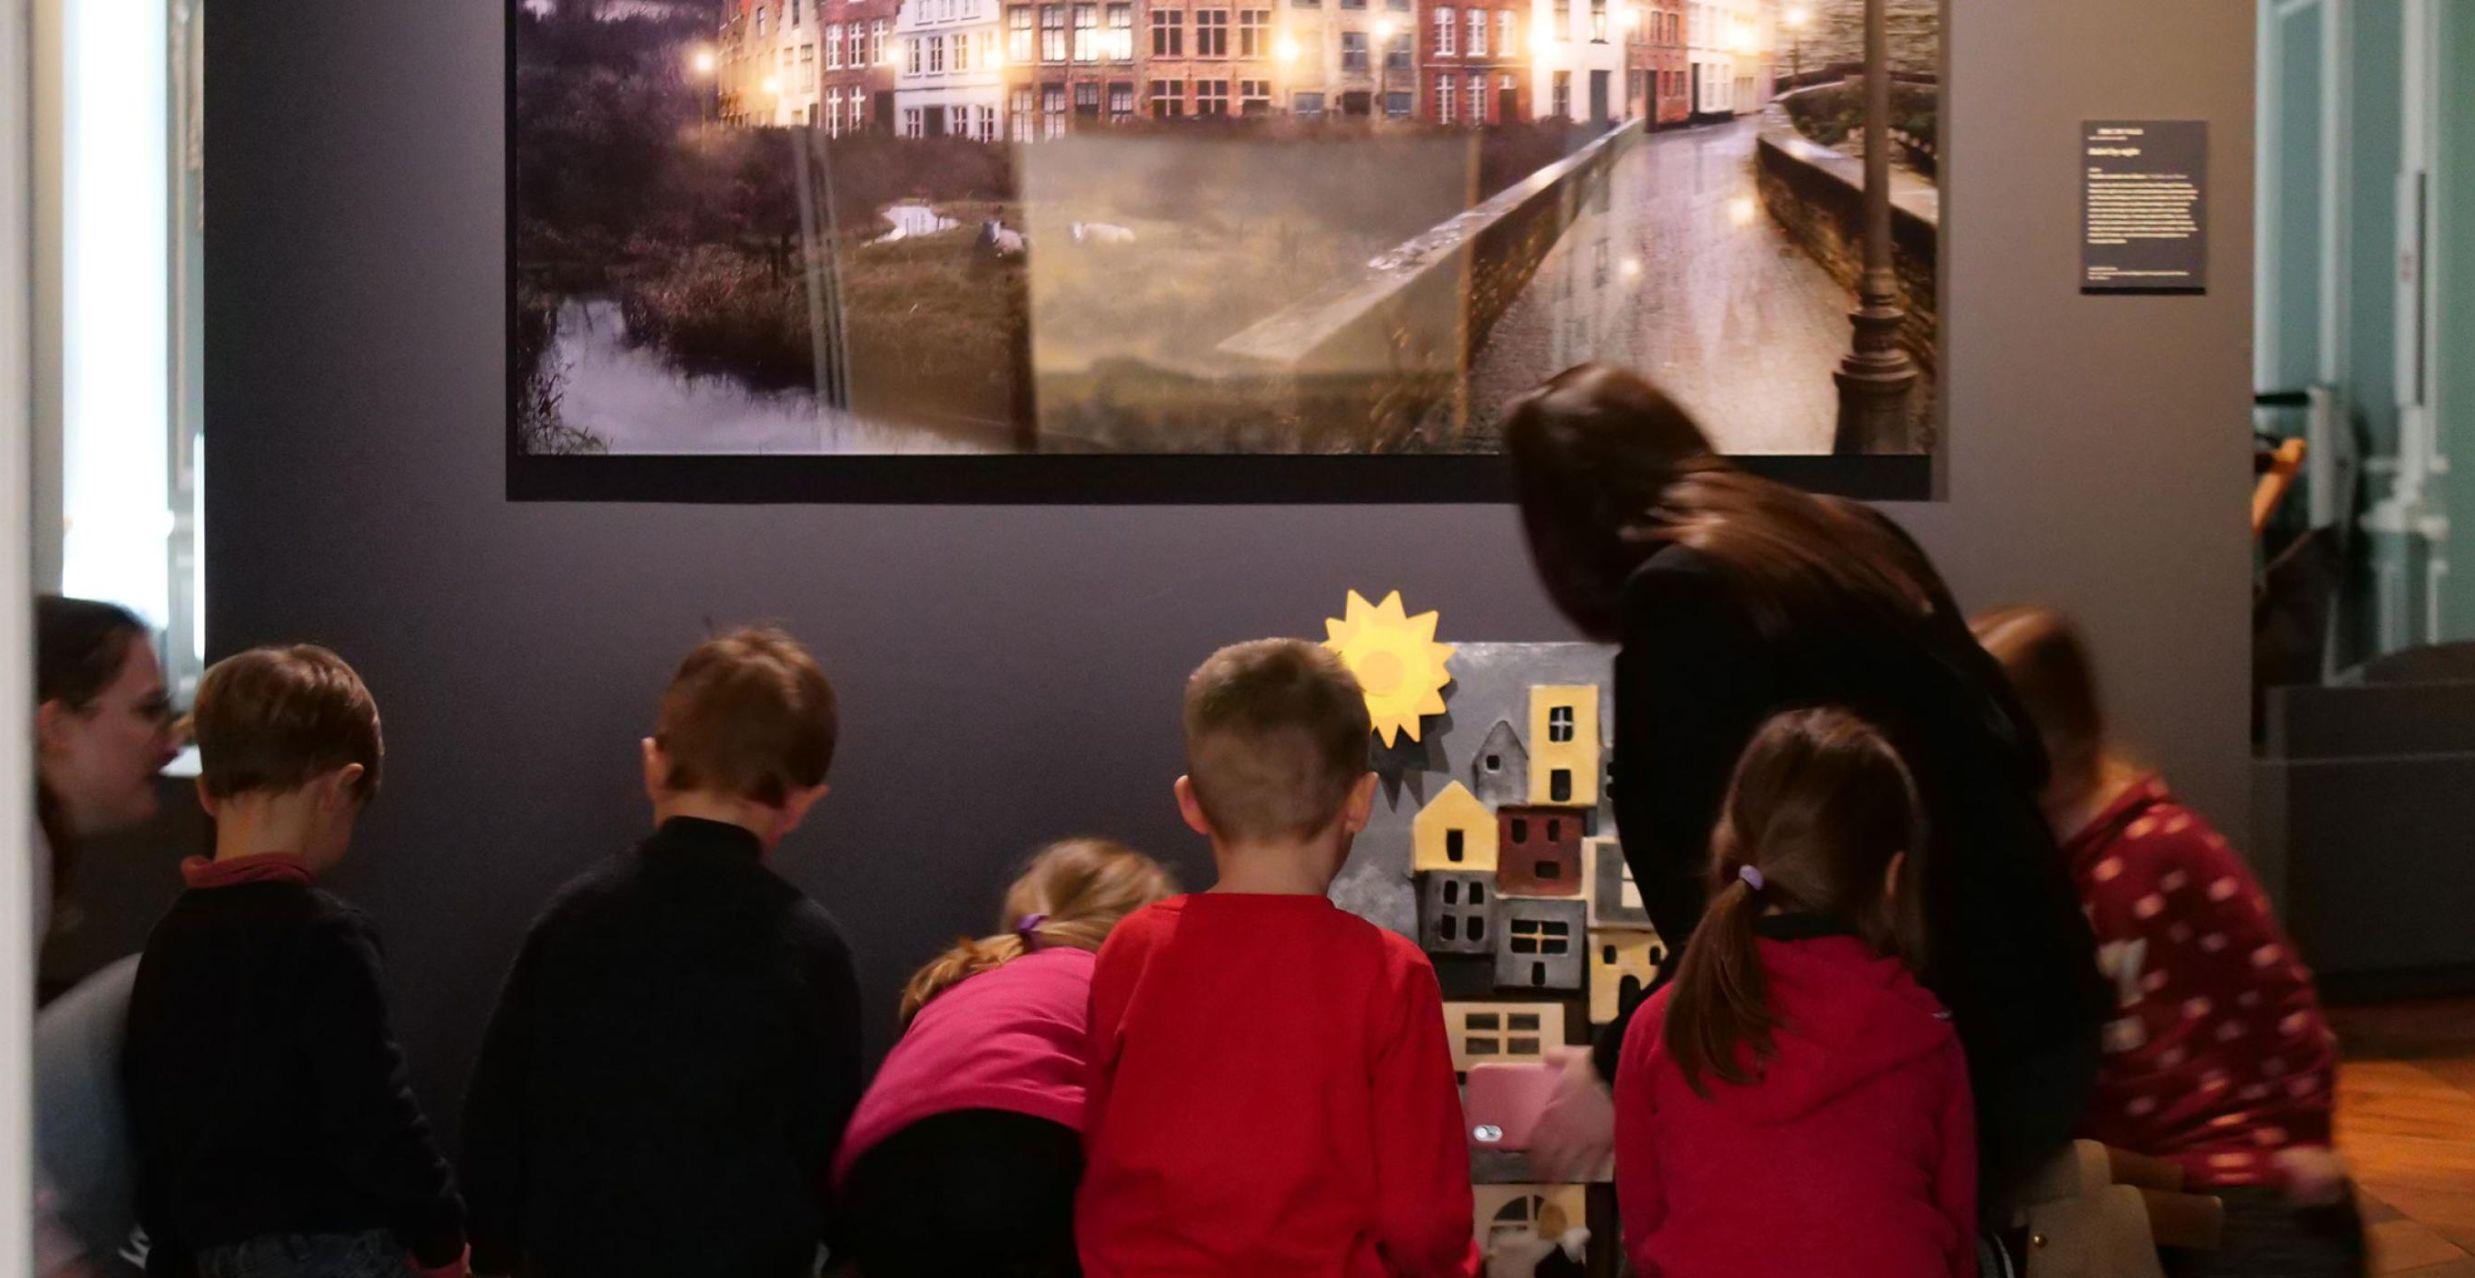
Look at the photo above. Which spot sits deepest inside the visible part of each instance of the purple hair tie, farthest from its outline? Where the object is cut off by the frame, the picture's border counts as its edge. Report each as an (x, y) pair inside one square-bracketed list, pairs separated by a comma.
[(1752, 877), (1029, 928)]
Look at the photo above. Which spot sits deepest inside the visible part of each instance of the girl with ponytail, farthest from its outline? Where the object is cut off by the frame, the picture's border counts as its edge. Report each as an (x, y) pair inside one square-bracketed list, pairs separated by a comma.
[(964, 1156), (1809, 1095)]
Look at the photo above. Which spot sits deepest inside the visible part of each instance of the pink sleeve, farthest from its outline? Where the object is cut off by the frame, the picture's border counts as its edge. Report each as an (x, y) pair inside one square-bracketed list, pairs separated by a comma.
[(1424, 1205), (1112, 973), (1955, 1181), (1641, 1190)]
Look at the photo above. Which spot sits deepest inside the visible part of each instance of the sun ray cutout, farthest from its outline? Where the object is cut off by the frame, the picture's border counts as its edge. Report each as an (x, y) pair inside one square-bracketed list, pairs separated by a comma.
[(1396, 659)]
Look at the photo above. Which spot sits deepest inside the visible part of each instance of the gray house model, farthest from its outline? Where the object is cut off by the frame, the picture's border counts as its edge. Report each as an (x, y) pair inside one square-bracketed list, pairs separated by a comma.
[(1540, 943), (1500, 771)]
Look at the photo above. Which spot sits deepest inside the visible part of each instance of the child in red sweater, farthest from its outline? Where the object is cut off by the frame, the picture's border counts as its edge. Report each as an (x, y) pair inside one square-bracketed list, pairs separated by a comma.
[(1795, 1103), (1270, 1087), (2218, 1059)]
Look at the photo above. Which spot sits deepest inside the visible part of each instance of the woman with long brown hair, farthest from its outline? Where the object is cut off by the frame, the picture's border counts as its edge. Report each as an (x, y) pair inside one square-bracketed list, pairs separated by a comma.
[(1733, 597), (964, 1156), (1795, 1046)]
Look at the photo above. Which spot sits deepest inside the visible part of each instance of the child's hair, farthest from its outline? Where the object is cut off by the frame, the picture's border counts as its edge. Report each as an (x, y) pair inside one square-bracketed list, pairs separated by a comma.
[(2056, 683), (1069, 894), (1819, 805), (1276, 734), (277, 718), (749, 713)]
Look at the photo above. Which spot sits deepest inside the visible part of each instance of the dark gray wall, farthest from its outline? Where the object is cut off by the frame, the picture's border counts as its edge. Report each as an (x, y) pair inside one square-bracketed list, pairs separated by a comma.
[(1011, 674)]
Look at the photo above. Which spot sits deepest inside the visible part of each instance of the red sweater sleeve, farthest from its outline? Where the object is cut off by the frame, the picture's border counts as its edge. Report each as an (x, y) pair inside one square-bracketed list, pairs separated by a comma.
[(1955, 1181), (1423, 1214), (1641, 1187)]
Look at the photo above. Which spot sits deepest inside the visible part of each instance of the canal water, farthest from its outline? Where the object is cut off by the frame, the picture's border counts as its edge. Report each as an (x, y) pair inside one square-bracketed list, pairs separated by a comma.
[(635, 401)]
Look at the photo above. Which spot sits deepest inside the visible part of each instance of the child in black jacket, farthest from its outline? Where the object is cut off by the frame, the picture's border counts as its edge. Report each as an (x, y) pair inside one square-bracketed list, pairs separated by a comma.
[(277, 1135)]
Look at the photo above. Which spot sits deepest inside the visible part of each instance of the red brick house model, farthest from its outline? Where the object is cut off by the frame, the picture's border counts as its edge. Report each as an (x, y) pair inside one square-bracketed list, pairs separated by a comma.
[(1538, 852)]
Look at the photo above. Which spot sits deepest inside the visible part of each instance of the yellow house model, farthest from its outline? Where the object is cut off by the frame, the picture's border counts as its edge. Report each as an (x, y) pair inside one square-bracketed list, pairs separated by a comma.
[(1623, 962), (1454, 831), (1564, 750)]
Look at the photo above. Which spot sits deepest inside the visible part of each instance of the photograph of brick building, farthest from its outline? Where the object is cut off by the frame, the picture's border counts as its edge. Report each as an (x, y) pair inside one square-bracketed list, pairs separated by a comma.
[(1070, 64), (1656, 60), (949, 63), (876, 226), (1474, 61)]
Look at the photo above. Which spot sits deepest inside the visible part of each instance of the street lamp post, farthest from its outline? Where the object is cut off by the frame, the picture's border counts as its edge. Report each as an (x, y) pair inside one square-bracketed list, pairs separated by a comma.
[(1876, 375), (701, 65)]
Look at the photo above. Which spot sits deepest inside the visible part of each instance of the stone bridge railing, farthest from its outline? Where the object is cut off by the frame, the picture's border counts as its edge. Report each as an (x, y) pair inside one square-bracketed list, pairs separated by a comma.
[(1818, 195), (1406, 330)]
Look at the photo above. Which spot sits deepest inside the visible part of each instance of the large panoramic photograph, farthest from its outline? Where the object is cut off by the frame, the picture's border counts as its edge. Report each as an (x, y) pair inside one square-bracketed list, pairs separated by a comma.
[(1278, 227)]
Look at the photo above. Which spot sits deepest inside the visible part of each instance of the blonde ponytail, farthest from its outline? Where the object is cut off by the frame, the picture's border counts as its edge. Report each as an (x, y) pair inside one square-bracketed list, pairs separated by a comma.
[(1069, 895)]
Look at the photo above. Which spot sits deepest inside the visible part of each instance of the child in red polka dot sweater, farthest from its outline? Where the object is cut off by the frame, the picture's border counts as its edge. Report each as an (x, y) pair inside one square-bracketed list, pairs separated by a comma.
[(2218, 1059)]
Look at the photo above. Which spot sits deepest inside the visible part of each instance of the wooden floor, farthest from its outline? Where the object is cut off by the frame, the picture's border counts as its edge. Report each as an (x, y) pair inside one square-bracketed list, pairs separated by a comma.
[(2406, 1126)]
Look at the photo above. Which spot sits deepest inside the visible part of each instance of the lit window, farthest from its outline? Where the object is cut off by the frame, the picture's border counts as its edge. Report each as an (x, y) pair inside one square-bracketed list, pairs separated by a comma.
[(1254, 33), (1478, 39), (1444, 98), (1446, 23), (1087, 36)]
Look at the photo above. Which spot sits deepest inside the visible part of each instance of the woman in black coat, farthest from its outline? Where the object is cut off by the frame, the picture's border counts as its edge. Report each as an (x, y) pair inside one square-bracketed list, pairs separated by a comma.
[(1733, 598)]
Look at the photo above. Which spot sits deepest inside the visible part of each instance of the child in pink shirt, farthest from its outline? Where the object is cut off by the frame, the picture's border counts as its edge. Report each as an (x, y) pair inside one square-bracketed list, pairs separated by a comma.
[(964, 1155)]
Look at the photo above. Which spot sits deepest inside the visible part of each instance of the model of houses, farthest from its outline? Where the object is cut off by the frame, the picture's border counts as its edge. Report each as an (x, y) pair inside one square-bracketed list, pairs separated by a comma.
[(1564, 744), (1615, 899), (1538, 852), (1454, 832), (1456, 912), (1540, 946), (1623, 963), (1512, 1219), (1512, 1032), (1500, 771)]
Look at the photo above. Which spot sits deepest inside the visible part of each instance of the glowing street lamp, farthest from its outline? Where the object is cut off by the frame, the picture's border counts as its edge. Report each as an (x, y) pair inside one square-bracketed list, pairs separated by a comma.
[(1286, 49), (1797, 19), (701, 64)]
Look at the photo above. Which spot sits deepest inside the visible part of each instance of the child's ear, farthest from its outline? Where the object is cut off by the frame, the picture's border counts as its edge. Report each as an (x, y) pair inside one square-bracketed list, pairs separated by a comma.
[(795, 807), (1361, 806), (51, 723), (656, 768), (1891, 875), (1191, 808), (207, 802), (340, 784)]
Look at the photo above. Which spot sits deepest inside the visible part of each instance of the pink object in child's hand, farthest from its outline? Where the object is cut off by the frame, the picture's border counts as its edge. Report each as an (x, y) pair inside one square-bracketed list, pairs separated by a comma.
[(1505, 1100)]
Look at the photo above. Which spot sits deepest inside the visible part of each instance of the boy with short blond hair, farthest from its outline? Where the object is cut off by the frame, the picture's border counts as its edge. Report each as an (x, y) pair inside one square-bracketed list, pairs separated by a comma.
[(676, 1051), (1271, 1088), (277, 1136)]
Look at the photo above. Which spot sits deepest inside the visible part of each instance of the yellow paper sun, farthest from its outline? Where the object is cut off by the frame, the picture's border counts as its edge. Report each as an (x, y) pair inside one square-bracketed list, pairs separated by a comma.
[(1396, 659)]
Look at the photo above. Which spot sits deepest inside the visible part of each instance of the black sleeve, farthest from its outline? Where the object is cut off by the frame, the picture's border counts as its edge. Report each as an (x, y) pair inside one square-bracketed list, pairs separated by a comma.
[(373, 1125), (2015, 962), (493, 1161), (833, 988), (1693, 682)]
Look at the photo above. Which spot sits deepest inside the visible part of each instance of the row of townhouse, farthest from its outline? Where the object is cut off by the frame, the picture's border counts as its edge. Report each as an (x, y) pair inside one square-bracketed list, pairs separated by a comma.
[(1025, 70)]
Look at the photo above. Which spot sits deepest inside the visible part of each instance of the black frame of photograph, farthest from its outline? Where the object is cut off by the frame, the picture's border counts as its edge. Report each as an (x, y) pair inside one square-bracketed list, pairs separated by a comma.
[(1090, 478)]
